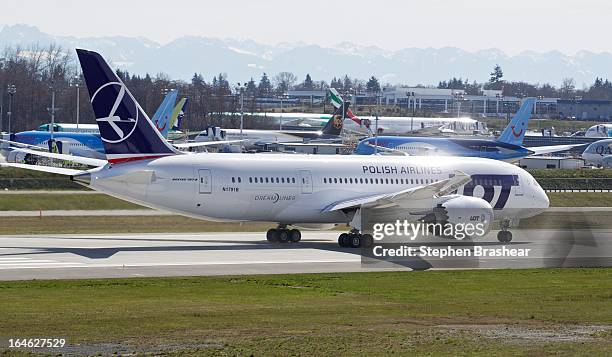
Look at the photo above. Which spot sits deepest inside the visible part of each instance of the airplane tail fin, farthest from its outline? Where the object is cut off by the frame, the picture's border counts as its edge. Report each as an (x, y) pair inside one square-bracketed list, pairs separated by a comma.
[(178, 113), (336, 122), (125, 129), (163, 115), (515, 131), (336, 100)]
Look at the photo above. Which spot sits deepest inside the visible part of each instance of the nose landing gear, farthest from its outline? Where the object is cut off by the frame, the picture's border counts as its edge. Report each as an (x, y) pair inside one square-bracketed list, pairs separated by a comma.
[(354, 239), (504, 236), (283, 235)]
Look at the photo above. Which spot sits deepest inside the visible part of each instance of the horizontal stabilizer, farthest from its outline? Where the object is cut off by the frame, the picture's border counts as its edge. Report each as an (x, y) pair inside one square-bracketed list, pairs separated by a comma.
[(78, 159), (49, 169)]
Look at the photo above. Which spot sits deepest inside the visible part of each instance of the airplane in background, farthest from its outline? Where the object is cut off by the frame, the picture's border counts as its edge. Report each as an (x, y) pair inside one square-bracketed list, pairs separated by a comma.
[(507, 147), (255, 139), (599, 153), (86, 142), (388, 125), (599, 131), (294, 191)]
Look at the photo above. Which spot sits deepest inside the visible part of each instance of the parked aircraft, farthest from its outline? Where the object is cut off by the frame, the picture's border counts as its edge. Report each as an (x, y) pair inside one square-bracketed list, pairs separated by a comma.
[(507, 147), (254, 139), (293, 190), (599, 131), (599, 153)]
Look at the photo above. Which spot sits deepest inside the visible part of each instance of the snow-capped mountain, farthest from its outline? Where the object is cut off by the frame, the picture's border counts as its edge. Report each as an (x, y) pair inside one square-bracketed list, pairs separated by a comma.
[(243, 59)]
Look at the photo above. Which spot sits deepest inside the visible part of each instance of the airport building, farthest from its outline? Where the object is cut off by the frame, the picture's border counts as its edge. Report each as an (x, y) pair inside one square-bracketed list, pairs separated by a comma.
[(583, 109), (489, 103)]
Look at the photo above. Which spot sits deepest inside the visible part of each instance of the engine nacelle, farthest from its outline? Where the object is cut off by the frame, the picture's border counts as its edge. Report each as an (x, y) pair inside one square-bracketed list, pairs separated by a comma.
[(469, 216)]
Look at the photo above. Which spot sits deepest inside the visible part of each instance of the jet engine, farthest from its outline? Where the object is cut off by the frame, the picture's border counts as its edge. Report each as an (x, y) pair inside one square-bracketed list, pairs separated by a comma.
[(460, 217), (606, 162)]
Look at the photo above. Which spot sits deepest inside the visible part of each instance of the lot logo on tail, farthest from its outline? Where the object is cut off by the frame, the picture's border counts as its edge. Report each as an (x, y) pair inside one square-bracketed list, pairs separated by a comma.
[(122, 112)]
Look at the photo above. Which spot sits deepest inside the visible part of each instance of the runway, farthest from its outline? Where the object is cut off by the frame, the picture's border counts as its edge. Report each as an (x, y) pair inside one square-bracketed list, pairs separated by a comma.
[(139, 255)]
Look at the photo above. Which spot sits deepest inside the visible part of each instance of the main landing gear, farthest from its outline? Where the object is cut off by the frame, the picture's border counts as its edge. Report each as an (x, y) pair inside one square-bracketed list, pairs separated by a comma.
[(283, 235), (504, 236), (354, 239)]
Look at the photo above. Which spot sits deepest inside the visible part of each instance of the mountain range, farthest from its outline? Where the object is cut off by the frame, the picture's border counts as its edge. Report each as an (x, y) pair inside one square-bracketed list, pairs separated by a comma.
[(243, 59)]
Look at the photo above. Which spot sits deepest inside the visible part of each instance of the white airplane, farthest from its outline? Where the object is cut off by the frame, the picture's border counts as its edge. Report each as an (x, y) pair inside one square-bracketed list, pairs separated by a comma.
[(599, 153), (254, 138), (294, 191), (599, 131)]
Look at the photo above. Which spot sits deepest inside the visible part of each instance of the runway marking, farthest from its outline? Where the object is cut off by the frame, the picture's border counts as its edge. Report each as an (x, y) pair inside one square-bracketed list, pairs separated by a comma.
[(29, 263)]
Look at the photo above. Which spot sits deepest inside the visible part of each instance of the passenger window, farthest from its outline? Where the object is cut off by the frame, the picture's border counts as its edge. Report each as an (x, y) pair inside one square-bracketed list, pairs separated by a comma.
[(250, 180), (282, 179), (233, 179), (277, 180), (324, 180), (239, 180), (293, 179), (256, 180)]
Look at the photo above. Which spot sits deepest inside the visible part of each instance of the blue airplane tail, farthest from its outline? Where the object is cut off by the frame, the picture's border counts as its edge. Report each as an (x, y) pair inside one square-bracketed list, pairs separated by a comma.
[(514, 133), (125, 129), (163, 115)]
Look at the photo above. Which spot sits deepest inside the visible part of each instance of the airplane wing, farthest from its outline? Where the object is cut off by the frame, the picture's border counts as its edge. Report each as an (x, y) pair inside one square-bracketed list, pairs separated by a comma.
[(77, 159), (404, 197), (15, 143), (53, 170), (433, 130), (539, 150), (206, 143), (388, 151)]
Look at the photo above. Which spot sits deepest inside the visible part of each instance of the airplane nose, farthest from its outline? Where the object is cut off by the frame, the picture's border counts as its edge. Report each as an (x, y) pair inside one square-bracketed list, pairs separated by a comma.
[(541, 199)]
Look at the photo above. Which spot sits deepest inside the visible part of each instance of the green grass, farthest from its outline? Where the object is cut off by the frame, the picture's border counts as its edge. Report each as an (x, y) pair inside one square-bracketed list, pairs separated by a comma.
[(315, 314), (580, 199), (121, 224), (35, 202)]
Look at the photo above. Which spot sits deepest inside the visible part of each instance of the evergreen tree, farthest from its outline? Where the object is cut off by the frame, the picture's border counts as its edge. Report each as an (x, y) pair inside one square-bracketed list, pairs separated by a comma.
[(373, 86), (264, 88), (251, 88), (308, 84), (496, 75)]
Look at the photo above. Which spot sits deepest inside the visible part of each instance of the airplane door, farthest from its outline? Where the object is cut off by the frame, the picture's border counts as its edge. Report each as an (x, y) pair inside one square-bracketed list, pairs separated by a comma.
[(205, 181), (306, 181)]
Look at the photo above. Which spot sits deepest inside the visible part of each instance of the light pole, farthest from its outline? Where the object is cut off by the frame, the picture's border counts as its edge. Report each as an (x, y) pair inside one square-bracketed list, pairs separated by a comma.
[(282, 97), (240, 88), (52, 110), (76, 82), (11, 89)]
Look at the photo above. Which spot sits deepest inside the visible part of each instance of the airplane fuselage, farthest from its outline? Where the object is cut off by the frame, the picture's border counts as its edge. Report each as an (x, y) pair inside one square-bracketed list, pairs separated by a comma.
[(278, 188), (431, 146)]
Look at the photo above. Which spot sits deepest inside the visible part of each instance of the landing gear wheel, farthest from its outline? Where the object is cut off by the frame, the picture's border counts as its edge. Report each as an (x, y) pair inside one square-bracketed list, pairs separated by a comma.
[(504, 236), (295, 236), (355, 240), (272, 235), (343, 240), (283, 235), (367, 240)]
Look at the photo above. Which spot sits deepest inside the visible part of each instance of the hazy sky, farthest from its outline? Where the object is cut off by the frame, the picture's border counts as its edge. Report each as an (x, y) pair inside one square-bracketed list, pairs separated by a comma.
[(511, 25)]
